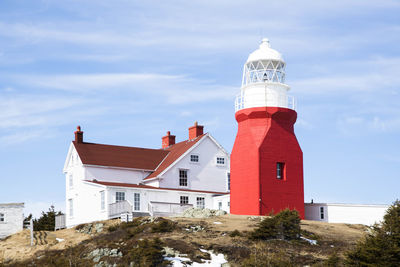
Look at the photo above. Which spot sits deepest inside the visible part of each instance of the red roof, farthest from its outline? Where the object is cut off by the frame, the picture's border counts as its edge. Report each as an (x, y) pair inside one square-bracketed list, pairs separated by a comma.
[(152, 187), (156, 160), (175, 151), (120, 156)]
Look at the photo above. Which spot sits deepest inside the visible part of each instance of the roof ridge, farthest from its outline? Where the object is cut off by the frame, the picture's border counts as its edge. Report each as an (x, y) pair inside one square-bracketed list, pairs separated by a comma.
[(89, 143), (187, 140), (175, 153)]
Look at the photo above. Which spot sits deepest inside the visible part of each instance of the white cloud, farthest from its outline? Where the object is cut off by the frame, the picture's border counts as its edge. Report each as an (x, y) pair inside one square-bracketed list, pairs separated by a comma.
[(369, 76), (173, 89), (22, 137)]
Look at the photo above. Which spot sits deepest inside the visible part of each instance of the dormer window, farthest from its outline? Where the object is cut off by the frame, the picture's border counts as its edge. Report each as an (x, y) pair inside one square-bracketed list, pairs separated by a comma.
[(194, 158), (220, 161)]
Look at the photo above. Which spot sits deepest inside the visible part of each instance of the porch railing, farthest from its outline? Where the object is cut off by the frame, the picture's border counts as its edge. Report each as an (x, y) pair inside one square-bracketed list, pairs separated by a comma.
[(167, 207), (264, 100), (116, 209)]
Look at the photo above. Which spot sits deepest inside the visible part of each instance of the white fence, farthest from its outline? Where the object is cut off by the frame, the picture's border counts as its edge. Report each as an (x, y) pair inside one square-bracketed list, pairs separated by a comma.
[(167, 208), (60, 222)]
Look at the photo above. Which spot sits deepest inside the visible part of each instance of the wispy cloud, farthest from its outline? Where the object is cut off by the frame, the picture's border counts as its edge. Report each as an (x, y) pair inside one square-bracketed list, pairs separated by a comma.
[(22, 137), (173, 89)]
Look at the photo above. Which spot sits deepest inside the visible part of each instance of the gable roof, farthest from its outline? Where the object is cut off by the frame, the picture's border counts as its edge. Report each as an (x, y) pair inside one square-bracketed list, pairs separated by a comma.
[(120, 156), (152, 187), (175, 152)]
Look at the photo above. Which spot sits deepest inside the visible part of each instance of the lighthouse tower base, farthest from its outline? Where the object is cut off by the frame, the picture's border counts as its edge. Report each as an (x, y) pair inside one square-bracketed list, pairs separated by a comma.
[(266, 163)]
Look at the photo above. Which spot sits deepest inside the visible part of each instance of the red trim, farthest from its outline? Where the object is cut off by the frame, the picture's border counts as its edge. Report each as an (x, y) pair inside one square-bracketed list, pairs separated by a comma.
[(152, 187)]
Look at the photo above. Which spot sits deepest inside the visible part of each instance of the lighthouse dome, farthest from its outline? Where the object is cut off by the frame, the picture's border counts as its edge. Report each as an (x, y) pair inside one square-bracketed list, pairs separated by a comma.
[(265, 65), (265, 52)]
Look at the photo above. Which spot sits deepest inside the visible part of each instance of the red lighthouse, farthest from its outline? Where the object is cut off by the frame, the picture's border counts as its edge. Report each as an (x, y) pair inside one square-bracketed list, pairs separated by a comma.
[(266, 160)]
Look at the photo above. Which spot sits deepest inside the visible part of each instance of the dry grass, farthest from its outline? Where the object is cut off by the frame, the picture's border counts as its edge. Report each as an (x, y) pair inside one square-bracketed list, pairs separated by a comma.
[(331, 237), (17, 247)]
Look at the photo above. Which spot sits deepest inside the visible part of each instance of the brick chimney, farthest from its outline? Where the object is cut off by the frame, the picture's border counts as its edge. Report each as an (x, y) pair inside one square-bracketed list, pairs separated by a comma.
[(195, 131), (168, 140), (78, 135)]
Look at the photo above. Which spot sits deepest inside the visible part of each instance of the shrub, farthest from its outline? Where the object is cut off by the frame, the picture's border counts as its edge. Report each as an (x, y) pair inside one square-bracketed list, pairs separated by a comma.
[(80, 226), (235, 233), (382, 246), (148, 253), (47, 220), (285, 225), (262, 258), (163, 226), (112, 228), (332, 261), (288, 224)]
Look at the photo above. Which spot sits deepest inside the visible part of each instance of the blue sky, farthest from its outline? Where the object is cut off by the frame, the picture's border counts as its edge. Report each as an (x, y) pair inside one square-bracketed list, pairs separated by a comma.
[(128, 71)]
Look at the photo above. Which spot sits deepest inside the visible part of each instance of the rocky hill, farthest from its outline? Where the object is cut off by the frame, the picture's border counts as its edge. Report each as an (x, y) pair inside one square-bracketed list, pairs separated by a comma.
[(147, 241)]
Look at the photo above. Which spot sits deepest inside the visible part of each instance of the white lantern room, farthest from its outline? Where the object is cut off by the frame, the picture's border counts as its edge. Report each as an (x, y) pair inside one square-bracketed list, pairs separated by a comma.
[(263, 83)]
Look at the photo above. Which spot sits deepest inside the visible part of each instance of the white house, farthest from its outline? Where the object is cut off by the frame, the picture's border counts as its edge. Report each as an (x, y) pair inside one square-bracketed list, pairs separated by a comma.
[(345, 213), (11, 218), (106, 181)]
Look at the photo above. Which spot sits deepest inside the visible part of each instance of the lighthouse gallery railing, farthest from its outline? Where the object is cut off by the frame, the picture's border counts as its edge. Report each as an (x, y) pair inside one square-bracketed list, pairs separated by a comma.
[(241, 103)]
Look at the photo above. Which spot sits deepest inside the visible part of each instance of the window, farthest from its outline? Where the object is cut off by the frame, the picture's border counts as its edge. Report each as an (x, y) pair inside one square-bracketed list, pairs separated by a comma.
[(136, 201), (119, 196), (184, 200), (321, 212), (71, 207), (229, 181), (2, 217), (229, 204), (280, 170), (102, 200), (183, 178), (220, 161), (220, 205), (200, 203), (71, 181), (194, 158)]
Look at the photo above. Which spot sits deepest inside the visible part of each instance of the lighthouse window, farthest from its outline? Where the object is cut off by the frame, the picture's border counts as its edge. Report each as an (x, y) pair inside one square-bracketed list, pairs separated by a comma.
[(280, 170), (183, 178)]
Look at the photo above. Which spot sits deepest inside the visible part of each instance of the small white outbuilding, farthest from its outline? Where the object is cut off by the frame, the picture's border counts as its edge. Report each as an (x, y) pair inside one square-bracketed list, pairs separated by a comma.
[(11, 218), (345, 213)]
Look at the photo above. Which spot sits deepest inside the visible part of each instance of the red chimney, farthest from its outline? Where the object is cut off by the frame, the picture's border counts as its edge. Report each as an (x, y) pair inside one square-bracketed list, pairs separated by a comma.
[(168, 140), (195, 131), (78, 135)]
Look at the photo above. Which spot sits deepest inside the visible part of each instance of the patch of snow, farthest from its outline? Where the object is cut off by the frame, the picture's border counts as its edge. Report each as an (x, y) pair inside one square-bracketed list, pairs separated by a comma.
[(177, 261), (217, 222), (216, 260), (312, 242), (59, 239)]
